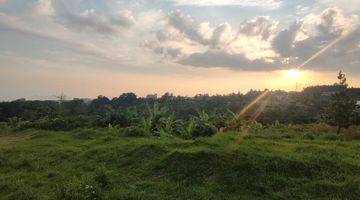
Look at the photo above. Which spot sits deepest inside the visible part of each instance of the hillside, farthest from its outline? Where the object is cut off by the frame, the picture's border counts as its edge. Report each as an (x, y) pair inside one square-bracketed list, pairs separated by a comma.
[(103, 164)]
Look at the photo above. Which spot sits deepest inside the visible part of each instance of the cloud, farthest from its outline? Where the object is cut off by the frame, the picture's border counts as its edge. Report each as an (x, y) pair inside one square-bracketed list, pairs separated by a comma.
[(89, 20), (198, 43), (258, 45), (187, 26), (16, 26), (44, 8), (260, 26), (345, 5), (283, 42), (2, 1), (266, 4), (215, 58), (317, 31)]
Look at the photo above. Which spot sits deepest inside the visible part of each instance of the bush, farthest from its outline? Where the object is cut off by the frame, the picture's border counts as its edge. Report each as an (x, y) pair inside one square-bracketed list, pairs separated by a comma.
[(24, 125), (202, 129), (256, 127), (63, 123), (309, 136), (13, 122), (134, 131)]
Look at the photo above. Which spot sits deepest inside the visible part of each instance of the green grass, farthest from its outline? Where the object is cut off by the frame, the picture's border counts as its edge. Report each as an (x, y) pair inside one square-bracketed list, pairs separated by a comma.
[(89, 164)]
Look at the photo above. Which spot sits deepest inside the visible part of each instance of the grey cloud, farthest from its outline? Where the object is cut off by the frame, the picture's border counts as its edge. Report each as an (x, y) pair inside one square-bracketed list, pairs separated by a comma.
[(187, 26), (89, 20), (261, 25), (329, 26), (283, 42), (221, 35), (227, 60), (194, 31)]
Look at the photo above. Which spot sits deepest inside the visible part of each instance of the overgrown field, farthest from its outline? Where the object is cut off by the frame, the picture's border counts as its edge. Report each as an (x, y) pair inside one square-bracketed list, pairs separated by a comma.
[(277, 163)]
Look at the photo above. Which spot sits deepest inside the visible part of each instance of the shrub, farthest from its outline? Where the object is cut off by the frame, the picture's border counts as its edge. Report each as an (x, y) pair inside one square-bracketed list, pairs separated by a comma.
[(309, 136), (256, 127), (23, 125), (202, 129), (13, 122), (63, 123), (134, 131)]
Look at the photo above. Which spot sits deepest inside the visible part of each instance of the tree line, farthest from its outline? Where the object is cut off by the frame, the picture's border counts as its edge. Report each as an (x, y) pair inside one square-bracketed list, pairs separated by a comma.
[(190, 116)]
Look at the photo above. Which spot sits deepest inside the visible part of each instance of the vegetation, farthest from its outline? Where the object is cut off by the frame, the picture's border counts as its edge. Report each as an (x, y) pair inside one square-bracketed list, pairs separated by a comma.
[(342, 106), (259, 145), (275, 162)]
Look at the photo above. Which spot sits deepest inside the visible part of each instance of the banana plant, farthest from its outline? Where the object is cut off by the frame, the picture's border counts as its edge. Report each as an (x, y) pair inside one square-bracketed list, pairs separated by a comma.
[(235, 121)]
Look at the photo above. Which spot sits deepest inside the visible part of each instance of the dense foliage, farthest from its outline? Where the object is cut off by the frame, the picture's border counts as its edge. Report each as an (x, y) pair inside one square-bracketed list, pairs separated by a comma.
[(202, 115)]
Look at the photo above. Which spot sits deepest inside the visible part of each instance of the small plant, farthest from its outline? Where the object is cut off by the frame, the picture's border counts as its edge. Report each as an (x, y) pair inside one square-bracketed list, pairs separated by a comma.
[(256, 127), (309, 136), (13, 122), (78, 189), (102, 179), (277, 124), (235, 122), (167, 126)]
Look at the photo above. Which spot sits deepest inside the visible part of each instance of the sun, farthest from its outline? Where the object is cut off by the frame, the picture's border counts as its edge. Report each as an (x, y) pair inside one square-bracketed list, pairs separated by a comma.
[(292, 73)]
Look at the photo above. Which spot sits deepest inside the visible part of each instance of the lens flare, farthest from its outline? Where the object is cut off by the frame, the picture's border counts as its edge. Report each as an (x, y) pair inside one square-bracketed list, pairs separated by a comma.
[(325, 49)]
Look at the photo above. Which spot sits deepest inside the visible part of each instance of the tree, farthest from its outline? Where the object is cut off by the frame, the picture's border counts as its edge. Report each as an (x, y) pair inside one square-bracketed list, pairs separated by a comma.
[(342, 105)]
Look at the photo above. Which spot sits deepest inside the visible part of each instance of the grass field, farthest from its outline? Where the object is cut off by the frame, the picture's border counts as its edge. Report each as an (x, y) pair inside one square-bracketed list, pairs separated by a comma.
[(103, 164)]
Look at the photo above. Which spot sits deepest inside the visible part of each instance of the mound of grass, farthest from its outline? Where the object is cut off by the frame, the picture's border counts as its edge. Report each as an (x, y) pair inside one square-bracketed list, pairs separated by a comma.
[(88, 164)]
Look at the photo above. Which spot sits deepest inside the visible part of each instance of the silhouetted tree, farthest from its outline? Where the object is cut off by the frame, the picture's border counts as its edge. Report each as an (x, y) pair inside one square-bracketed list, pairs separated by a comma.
[(342, 105)]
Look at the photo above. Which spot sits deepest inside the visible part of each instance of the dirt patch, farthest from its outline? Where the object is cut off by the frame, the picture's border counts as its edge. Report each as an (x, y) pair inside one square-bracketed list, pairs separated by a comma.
[(8, 138)]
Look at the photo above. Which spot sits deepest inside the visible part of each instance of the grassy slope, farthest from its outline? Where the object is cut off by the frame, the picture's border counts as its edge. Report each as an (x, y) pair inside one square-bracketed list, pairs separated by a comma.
[(226, 166)]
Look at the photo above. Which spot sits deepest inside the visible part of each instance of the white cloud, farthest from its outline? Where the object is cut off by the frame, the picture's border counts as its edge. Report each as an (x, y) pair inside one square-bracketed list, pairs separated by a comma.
[(267, 4), (258, 45), (346, 5), (198, 43), (44, 8)]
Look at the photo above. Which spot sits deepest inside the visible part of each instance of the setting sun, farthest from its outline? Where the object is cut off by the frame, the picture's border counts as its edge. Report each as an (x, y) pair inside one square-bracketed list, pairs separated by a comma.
[(292, 73)]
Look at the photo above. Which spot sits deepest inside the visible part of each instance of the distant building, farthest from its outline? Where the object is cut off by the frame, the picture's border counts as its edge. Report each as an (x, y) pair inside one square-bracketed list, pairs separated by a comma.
[(87, 101)]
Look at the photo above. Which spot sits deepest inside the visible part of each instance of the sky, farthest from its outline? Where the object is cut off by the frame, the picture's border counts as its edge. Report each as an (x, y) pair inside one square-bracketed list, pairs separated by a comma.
[(86, 48)]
